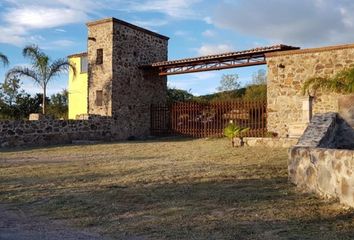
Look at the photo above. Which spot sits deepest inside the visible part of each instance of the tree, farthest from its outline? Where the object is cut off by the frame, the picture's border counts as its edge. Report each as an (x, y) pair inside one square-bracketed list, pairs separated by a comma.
[(259, 77), (229, 82), (178, 95), (10, 90), (256, 93), (26, 104), (58, 105), (257, 90), (4, 59), (42, 69)]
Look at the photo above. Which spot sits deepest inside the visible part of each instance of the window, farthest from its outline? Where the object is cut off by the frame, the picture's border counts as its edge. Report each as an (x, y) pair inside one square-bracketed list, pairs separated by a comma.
[(99, 56), (83, 64), (99, 98)]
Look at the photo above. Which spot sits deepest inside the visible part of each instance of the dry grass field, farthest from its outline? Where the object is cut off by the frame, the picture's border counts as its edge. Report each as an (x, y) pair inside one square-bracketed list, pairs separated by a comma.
[(170, 189)]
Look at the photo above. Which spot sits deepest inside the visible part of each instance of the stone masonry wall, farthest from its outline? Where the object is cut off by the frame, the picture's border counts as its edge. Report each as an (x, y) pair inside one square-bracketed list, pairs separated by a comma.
[(327, 172), (287, 72), (49, 132), (315, 163), (134, 89), (128, 89), (100, 76)]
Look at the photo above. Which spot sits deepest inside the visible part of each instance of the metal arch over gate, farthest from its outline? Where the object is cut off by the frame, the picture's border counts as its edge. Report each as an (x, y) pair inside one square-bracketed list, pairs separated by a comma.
[(252, 57)]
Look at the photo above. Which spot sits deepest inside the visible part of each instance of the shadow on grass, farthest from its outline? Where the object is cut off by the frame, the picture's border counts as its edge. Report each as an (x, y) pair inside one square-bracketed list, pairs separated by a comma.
[(229, 209), (97, 143)]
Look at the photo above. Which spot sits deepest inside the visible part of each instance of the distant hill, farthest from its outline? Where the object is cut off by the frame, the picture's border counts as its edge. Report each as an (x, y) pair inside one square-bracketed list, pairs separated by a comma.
[(252, 92), (222, 96)]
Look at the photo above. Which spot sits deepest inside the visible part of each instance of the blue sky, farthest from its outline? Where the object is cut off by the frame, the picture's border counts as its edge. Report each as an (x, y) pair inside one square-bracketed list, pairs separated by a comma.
[(195, 28)]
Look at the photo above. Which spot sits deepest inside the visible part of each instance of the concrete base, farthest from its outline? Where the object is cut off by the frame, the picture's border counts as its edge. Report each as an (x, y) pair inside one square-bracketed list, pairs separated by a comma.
[(270, 142)]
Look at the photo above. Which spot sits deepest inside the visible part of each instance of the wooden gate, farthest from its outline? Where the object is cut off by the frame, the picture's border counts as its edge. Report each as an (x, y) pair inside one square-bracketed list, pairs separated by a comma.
[(208, 119)]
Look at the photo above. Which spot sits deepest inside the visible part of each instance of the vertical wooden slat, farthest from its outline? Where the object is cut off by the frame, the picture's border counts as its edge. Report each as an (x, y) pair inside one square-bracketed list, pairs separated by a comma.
[(187, 118)]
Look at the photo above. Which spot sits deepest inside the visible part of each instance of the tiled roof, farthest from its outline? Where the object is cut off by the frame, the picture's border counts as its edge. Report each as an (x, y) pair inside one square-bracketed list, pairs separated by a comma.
[(260, 50)]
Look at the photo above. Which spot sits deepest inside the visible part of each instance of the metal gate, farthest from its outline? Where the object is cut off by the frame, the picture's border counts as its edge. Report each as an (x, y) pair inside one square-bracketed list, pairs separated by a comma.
[(201, 120)]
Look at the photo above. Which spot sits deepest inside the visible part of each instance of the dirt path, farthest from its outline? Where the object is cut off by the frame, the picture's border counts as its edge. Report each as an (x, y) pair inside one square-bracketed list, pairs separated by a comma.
[(17, 225)]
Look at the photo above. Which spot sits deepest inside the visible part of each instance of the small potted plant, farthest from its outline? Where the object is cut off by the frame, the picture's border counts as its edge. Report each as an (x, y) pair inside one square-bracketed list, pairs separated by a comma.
[(235, 133), (341, 83)]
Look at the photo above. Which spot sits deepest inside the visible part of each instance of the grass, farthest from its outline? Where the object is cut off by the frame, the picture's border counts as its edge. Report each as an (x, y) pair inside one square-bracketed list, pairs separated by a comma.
[(187, 189)]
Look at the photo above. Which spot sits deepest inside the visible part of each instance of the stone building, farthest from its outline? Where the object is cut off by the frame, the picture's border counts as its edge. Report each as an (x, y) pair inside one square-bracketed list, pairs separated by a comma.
[(288, 110), (116, 84)]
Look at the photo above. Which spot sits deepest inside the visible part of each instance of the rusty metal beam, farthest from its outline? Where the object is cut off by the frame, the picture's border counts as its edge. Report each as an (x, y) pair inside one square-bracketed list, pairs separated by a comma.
[(251, 57), (175, 72), (204, 66)]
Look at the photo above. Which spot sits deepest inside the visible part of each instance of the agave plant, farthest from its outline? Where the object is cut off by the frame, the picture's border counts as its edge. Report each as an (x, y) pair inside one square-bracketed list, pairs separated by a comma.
[(233, 131), (342, 82)]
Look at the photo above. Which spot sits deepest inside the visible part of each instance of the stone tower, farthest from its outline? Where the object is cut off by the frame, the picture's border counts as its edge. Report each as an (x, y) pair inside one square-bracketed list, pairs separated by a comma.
[(118, 85)]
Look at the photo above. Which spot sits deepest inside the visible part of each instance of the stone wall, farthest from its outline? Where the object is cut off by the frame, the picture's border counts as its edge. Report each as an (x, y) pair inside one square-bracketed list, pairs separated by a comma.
[(100, 76), (128, 89), (49, 132), (134, 89), (327, 172), (317, 165), (288, 110)]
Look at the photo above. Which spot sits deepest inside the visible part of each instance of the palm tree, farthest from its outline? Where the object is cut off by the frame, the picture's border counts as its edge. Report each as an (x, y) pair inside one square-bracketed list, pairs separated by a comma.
[(4, 59), (42, 69)]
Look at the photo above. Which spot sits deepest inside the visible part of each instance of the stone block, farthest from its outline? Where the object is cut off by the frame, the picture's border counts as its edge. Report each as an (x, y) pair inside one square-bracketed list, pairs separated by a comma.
[(346, 108), (36, 117), (296, 130)]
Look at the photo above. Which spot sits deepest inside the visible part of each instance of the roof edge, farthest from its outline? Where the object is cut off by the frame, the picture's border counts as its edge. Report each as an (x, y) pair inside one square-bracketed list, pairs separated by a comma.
[(310, 50), (115, 20), (81, 54)]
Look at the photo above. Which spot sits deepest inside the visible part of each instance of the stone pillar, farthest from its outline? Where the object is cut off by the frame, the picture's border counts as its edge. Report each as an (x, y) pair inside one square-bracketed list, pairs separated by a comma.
[(100, 36), (346, 108), (124, 89), (307, 109)]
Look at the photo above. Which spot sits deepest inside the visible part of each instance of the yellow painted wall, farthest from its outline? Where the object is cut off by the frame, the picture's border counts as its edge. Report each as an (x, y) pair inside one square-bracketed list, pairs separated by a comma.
[(78, 90)]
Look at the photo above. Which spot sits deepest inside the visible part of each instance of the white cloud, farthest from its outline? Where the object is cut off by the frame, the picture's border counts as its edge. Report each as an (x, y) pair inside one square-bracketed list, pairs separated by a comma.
[(13, 35), (181, 33), (60, 30), (21, 17), (209, 49), (208, 20), (209, 33), (37, 17), (172, 8), (61, 43), (150, 23), (302, 22)]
